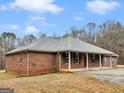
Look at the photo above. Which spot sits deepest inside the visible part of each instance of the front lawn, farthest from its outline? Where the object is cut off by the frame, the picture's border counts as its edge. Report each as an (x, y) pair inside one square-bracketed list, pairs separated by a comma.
[(8, 75), (61, 83)]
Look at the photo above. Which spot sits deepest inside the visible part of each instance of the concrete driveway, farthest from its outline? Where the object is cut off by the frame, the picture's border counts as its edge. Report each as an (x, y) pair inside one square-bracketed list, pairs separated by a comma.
[(112, 75)]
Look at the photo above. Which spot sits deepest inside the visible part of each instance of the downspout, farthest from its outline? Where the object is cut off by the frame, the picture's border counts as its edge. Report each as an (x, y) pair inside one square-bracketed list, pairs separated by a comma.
[(27, 64)]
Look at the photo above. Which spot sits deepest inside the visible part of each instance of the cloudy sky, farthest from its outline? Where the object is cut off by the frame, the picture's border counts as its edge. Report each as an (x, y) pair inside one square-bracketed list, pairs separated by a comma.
[(49, 16)]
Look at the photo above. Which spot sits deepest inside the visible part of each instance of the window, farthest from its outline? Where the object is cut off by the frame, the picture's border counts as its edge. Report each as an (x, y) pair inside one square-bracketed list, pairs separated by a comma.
[(95, 58), (65, 56), (75, 58)]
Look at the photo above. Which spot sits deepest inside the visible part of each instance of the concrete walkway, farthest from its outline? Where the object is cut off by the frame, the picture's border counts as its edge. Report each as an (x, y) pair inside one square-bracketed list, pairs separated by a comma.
[(112, 75)]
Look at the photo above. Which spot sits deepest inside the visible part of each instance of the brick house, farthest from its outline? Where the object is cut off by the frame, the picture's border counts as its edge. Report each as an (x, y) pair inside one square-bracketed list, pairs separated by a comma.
[(50, 55)]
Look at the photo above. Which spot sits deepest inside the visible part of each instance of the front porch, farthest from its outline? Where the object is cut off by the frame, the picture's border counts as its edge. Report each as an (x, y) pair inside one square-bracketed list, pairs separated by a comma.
[(75, 61), (84, 69)]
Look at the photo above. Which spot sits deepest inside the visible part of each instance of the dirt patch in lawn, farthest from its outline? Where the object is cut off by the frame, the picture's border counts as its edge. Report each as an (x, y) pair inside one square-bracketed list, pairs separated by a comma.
[(61, 83)]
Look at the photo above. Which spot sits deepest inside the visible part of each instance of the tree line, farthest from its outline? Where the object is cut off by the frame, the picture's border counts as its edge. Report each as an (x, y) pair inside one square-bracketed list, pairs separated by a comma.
[(109, 35)]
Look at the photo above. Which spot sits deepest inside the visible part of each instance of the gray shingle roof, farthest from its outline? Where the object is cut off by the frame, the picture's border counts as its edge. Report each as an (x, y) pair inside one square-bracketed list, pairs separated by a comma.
[(63, 44)]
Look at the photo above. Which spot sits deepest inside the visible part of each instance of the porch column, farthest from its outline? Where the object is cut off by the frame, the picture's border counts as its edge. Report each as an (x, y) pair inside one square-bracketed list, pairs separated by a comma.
[(87, 60), (27, 72), (100, 63), (69, 60), (110, 61), (59, 60)]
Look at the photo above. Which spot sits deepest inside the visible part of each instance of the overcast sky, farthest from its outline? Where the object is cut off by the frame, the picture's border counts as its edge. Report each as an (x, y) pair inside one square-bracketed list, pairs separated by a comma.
[(49, 16)]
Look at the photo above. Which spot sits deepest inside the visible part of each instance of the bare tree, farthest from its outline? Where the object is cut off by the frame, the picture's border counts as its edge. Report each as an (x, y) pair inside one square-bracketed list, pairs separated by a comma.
[(108, 36), (111, 37), (90, 29), (27, 39), (9, 40)]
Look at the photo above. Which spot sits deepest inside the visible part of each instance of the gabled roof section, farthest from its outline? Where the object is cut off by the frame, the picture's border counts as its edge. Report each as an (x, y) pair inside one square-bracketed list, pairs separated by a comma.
[(63, 44)]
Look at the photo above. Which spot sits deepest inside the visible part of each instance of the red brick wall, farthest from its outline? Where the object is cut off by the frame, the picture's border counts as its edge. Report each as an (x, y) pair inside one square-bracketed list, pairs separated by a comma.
[(38, 63), (56, 66), (16, 62), (42, 63)]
